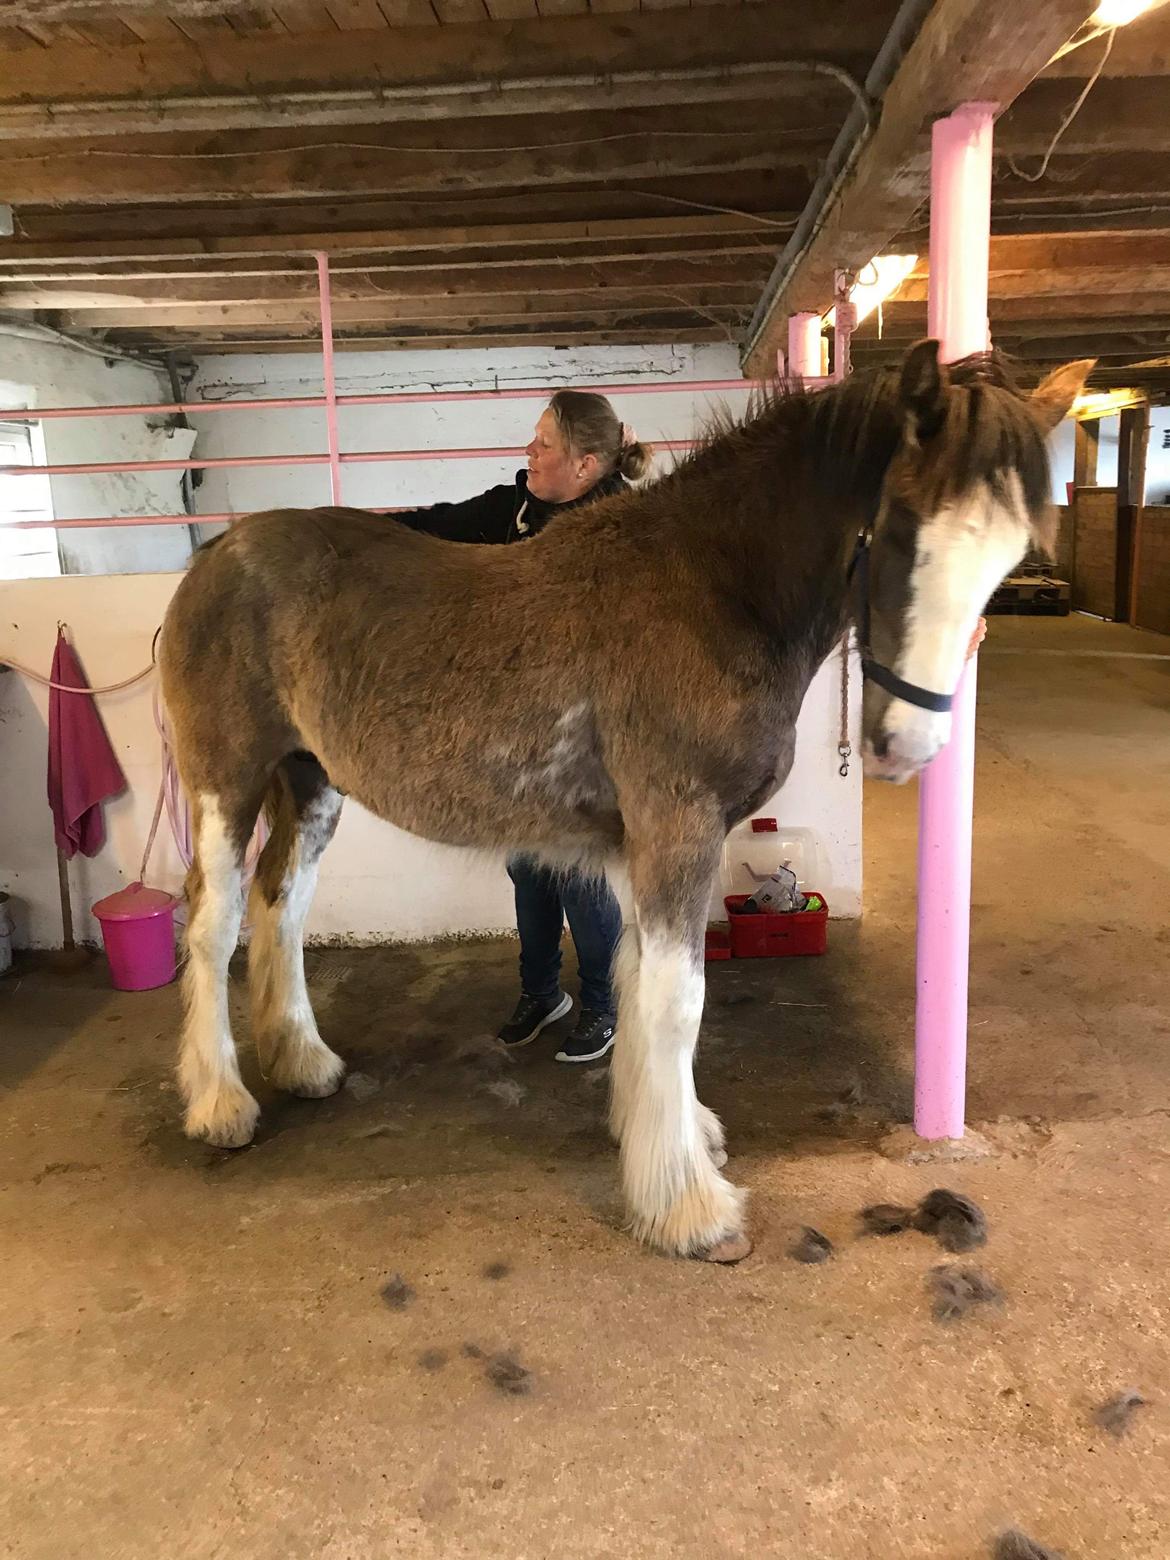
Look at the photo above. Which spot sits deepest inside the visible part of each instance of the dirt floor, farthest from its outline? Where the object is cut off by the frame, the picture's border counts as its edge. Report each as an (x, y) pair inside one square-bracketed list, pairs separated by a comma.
[(196, 1358)]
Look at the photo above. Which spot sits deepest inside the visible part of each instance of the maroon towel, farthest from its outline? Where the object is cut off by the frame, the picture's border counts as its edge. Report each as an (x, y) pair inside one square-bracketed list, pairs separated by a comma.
[(82, 768)]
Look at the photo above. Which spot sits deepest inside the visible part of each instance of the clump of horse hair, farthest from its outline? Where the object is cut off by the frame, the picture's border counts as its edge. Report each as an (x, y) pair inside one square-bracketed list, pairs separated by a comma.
[(472, 1351), (507, 1374), (958, 1290), (1014, 1545), (811, 1247), (496, 1270), (886, 1219), (433, 1359), (397, 1293), (954, 1220), (506, 1089), (1115, 1415), (485, 1051)]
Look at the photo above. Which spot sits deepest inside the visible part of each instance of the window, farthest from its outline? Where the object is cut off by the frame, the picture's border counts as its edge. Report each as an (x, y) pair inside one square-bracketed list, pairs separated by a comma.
[(25, 554)]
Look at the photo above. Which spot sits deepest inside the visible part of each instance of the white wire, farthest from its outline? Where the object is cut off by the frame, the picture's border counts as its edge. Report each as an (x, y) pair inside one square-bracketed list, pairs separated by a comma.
[(1034, 178)]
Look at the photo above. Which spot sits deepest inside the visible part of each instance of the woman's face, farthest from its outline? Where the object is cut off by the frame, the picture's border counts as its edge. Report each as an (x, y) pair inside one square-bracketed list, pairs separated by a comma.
[(554, 472)]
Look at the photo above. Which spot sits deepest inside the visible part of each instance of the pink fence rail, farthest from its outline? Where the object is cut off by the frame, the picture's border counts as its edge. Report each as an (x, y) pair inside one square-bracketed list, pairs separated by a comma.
[(333, 457)]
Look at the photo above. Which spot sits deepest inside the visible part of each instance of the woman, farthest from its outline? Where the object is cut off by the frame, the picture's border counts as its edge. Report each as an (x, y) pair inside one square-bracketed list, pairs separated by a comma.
[(580, 451)]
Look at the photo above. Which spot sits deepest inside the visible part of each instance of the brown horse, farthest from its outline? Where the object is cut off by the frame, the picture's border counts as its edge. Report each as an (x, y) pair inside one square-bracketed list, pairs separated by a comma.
[(627, 684)]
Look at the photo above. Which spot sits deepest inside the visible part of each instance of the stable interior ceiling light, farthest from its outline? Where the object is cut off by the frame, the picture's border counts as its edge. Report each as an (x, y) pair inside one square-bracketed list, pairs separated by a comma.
[(1118, 13), (882, 276)]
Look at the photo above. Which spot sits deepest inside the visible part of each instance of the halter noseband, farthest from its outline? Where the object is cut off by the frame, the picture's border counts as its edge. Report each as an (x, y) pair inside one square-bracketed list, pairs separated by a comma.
[(873, 671)]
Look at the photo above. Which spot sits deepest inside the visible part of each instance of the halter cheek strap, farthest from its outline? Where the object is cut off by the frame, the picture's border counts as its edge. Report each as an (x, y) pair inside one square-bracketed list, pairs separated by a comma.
[(873, 671)]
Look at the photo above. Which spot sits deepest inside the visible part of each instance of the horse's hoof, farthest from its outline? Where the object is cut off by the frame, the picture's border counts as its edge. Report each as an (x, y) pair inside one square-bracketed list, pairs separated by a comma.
[(240, 1138), (312, 1073), (226, 1121), (315, 1091), (733, 1248)]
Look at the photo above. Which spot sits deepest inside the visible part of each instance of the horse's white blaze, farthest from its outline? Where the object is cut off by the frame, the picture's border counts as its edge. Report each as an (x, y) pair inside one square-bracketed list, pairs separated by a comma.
[(961, 556), (302, 1061), (677, 1197), (218, 1106)]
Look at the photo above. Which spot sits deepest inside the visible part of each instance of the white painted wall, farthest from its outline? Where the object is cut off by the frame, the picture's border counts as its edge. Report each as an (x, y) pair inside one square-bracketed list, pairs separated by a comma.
[(45, 372), (376, 882), (1158, 458), (428, 426)]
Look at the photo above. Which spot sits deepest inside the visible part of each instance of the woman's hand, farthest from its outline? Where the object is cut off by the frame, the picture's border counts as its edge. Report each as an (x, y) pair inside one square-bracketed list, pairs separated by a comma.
[(977, 637)]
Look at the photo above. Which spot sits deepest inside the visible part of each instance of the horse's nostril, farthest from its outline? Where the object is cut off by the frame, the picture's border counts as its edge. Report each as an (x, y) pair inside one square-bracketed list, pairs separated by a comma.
[(881, 744)]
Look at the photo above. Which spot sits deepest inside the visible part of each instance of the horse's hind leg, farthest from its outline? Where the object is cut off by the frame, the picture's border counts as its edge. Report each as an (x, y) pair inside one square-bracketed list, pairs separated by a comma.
[(671, 1145), (219, 1107), (304, 810)]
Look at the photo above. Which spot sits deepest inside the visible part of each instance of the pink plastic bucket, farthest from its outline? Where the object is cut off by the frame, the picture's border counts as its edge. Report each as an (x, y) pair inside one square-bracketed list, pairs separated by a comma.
[(138, 929)]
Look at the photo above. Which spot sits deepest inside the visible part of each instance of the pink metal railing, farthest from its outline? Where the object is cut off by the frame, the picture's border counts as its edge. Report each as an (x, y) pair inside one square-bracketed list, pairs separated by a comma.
[(330, 401)]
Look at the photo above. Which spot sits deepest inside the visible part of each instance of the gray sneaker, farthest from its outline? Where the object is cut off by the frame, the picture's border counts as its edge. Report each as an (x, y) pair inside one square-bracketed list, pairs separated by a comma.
[(591, 1039), (532, 1015)]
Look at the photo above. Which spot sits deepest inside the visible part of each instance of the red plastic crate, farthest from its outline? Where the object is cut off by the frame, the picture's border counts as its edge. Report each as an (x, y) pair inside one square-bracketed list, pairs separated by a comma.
[(803, 932), (718, 944)]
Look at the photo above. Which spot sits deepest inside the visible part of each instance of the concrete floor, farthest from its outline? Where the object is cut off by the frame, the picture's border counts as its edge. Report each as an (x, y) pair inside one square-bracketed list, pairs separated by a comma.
[(197, 1362)]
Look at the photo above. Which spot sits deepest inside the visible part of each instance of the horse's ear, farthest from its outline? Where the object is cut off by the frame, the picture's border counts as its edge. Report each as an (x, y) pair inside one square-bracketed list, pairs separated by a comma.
[(922, 390), (1053, 397)]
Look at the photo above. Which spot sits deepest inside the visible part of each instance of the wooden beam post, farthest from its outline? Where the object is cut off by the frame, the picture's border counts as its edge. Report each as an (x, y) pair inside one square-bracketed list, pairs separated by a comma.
[(1086, 443), (1132, 445)]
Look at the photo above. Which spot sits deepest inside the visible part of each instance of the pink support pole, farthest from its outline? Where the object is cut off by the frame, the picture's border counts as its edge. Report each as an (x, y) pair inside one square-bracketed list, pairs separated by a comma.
[(327, 372), (804, 346), (960, 238)]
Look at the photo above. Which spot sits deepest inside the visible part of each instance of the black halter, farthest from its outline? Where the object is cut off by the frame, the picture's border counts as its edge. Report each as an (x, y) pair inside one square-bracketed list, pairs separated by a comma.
[(874, 671)]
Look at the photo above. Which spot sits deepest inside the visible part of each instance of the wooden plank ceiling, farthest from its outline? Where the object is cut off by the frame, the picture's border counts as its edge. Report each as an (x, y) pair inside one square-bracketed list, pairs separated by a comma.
[(557, 171)]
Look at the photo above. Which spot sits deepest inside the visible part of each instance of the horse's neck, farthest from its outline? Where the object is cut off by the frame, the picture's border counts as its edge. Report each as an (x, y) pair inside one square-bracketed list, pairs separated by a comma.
[(793, 558), (819, 485)]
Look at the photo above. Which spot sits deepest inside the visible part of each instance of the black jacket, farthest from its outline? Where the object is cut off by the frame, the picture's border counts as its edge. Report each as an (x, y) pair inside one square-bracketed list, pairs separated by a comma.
[(502, 514)]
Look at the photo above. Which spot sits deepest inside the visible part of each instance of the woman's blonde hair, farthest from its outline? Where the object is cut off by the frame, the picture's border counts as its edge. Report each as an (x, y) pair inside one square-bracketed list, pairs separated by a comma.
[(590, 426)]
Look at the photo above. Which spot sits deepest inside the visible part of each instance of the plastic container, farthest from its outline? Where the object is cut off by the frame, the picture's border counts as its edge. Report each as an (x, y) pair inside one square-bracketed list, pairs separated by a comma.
[(717, 945), (755, 848), (801, 933), (138, 929)]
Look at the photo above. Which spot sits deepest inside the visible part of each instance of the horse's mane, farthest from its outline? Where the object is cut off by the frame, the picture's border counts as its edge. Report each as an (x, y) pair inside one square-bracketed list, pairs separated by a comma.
[(850, 430)]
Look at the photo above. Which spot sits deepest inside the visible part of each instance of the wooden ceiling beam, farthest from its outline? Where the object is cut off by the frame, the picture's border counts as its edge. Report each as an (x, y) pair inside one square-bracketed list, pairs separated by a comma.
[(574, 237), (639, 275), (1078, 251), (965, 50), (192, 274), (336, 172), (427, 72), (725, 300), (584, 337), (1088, 287), (1118, 116), (1140, 49)]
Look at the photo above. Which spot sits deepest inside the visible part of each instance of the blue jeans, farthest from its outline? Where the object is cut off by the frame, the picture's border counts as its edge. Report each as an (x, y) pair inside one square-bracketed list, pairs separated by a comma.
[(543, 899)]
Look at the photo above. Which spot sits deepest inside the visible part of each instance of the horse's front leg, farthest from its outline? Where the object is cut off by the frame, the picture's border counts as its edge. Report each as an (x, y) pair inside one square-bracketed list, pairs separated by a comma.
[(671, 1145)]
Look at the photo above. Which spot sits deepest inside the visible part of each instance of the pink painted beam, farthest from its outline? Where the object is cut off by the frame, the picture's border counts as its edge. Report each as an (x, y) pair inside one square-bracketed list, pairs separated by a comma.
[(112, 467), (804, 346), (95, 522), (358, 457), (334, 438), (960, 238), (379, 398)]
